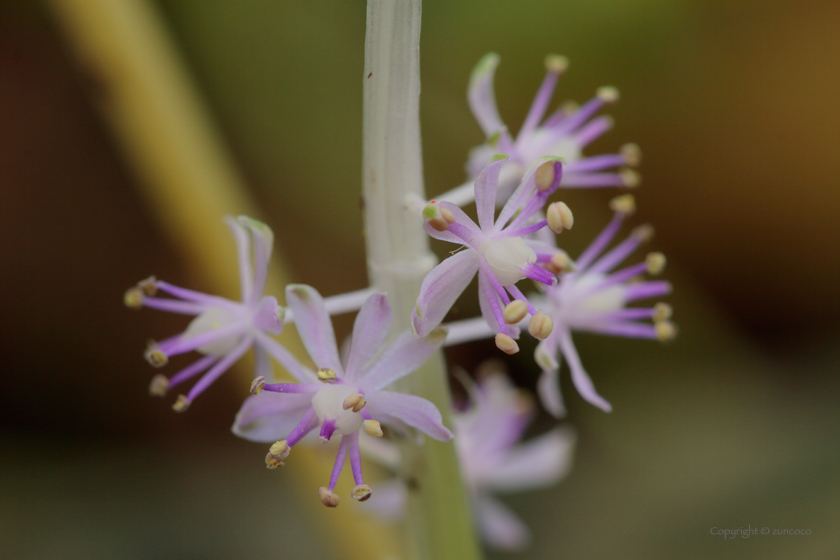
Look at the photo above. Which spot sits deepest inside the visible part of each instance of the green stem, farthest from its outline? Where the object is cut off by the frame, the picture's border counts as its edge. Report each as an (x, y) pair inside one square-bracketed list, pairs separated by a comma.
[(439, 523)]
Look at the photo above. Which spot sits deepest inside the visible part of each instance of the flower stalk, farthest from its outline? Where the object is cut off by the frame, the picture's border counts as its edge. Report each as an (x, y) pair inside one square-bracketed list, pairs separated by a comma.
[(439, 524)]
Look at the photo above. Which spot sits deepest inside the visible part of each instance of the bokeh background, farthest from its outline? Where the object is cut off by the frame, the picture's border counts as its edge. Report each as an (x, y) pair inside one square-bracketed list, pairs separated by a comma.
[(735, 105)]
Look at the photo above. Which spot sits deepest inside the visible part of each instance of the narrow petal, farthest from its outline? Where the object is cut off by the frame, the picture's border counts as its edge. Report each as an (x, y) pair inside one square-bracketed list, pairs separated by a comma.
[(219, 368), (373, 323), (580, 378), (403, 356), (548, 389), (482, 99), (440, 288), (263, 243), (268, 417), (537, 463), (285, 358), (417, 412), (314, 325), (485, 192), (243, 253), (491, 310), (499, 526)]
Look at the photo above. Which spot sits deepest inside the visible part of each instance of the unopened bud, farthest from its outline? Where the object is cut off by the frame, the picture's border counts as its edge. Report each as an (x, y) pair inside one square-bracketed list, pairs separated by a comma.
[(662, 312), (156, 357), (544, 176), (630, 178), (559, 217), (540, 326), (623, 204), (655, 263), (632, 154), (361, 492), (329, 499), (257, 385), (133, 298), (158, 386), (556, 64), (326, 375), (506, 344), (515, 311), (373, 428), (643, 233), (665, 331), (181, 404), (356, 402), (279, 450), (272, 462), (608, 94)]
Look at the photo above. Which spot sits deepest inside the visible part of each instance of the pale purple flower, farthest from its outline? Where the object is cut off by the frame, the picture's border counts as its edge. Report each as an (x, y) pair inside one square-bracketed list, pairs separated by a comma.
[(593, 297), (493, 459), (223, 330), (498, 248), (343, 396), (564, 134)]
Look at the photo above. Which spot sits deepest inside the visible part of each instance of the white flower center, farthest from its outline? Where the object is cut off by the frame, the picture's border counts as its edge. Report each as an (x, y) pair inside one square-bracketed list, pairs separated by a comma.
[(507, 257), (568, 149), (212, 319), (328, 403), (602, 301)]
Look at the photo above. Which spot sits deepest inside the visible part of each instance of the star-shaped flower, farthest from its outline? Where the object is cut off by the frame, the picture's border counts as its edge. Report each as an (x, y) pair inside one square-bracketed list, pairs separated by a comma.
[(223, 330), (564, 134), (592, 297), (499, 249), (342, 397)]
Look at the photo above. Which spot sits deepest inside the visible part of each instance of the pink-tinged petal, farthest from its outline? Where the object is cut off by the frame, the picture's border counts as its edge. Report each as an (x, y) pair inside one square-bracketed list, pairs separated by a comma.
[(263, 243), (174, 306), (243, 253), (500, 528), (314, 325), (580, 378), (262, 363), (482, 99), (269, 315), (403, 356), (285, 358), (417, 412), (491, 310), (441, 288), (461, 217), (485, 192), (523, 198), (537, 463), (548, 389), (373, 323), (447, 236), (389, 501), (268, 417)]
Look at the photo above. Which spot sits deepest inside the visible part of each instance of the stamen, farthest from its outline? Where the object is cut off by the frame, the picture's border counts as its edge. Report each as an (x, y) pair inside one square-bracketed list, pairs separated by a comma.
[(271, 462), (149, 286), (329, 499), (326, 375), (447, 214), (361, 492), (438, 217), (540, 326), (662, 312), (515, 311), (643, 233), (665, 330), (181, 403), (556, 64), (355, 401), (624, 204), (257, 385), (544, 176), (327, 430), (559, 217), (373, 428), (655, 263), (156, 357), (279, 449), (133, 298), (632, 154), (560, 262), (630, 178), (159, 386), (607, 94), (506, 344)]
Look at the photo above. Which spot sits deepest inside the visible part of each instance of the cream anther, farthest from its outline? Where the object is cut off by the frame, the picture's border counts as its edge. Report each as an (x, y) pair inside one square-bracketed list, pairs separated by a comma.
[(655, 263), (506, 344), (361, 492), (133, 298), (632, 154), (559, 217), (662, 312), (447, 214), (326, 375), (355, 401), (329, 499), (540, 326), (643, 232), (624, 204), (158, 386), (544, 176), (257, 385), (560, 262), (665, 330), (630, 178), (272, 462), (607, 94), (156, 357), (373, 428), (181, 404), (279, 450), (515, 311), (556, 63)]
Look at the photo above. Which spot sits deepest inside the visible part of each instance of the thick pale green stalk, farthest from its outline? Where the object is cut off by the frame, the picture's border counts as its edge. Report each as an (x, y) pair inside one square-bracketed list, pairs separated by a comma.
[(439, 525)]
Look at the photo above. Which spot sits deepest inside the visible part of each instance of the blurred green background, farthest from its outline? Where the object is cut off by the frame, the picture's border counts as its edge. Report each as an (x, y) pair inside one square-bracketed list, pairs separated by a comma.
[(735, 105)]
